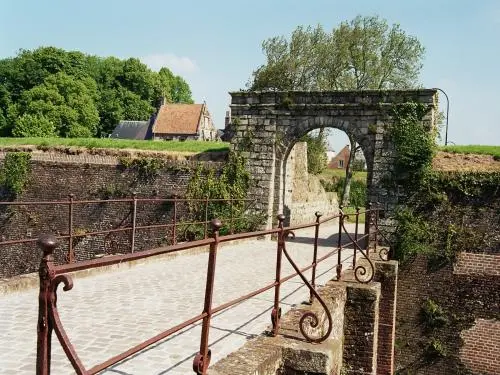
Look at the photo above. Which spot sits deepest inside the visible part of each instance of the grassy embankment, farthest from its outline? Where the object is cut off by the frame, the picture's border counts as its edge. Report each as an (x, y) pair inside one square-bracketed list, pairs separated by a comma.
[(338, 174), (329, 174), (473, 149), (107, 143)]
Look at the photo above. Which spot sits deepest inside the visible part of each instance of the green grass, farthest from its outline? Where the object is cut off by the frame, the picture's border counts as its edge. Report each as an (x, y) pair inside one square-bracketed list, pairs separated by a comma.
[(107, 143), (328, 173), (351, 211), (474, 149)]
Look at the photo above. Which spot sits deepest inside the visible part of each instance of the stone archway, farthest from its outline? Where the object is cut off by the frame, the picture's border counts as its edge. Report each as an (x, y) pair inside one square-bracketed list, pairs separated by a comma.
[(265, 125)]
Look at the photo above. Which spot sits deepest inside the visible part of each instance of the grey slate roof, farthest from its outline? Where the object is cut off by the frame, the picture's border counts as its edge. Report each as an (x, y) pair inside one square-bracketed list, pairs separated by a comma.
[(132, 130)]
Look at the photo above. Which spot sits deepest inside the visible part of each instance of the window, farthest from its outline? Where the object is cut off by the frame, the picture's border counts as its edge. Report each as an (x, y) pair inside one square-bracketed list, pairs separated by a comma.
[(341, 164)]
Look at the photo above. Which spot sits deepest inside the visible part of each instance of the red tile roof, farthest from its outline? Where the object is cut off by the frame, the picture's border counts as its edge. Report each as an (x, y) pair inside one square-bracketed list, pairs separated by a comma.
[(178, 119)]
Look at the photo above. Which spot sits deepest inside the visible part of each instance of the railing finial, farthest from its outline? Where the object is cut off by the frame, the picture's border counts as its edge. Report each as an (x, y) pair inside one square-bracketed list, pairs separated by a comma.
[(47, 242), (216, 224)]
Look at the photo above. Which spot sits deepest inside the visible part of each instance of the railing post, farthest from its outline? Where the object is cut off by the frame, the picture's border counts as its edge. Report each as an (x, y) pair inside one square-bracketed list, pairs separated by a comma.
[(355, 239), (368, 227), (315, 255), (206, 218), (376, 228), (174, 229), (276, 312), (231, 231), (134, 217), (202, 359), (71, 253), (44, 326), (339, 244)]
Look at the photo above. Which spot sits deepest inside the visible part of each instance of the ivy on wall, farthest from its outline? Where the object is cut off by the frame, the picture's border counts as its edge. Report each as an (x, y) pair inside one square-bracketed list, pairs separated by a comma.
[(15, 173), (232, 183), (414, 143), (147, 168), (440, 214)]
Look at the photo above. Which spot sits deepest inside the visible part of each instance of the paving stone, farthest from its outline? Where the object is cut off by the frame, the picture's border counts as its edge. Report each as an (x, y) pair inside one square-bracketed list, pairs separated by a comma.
[(106, 314)]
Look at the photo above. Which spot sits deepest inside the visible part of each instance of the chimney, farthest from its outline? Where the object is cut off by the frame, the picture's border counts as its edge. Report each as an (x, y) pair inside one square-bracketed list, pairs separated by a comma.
[(227, 119)]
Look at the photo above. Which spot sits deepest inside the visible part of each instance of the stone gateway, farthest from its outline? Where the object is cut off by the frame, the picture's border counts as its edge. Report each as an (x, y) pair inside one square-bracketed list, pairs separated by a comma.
[(265, 126)]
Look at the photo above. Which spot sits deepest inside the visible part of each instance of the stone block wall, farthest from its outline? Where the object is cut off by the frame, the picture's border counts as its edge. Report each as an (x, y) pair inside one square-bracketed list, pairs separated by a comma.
[(266, 126), (304, 194)]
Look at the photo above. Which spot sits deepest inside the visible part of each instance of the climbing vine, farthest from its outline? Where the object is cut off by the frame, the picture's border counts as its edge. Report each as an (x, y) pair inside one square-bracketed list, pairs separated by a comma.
[(147, 168), (230, 186), (15, 173), (414, 143)]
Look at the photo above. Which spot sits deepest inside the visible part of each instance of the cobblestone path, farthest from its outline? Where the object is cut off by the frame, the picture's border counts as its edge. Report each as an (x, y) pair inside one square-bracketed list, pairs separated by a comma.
[(108, 313)]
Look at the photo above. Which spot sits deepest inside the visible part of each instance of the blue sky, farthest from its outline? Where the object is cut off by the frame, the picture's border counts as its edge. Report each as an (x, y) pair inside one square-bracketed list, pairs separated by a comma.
[(215, 45)]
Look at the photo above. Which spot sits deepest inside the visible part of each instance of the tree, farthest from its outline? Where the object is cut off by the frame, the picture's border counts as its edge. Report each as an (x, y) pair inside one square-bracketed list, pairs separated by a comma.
[(365, 53), (173, 88), (316, 152), (5, 102), (45, 84), (63, 101)]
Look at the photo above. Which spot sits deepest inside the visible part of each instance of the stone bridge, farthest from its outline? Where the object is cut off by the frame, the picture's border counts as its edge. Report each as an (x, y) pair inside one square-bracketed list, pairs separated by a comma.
[(108, 312), (266, 125)]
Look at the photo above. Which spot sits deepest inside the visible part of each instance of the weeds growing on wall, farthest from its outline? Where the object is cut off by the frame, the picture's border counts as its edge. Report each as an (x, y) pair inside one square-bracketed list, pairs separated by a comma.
[(14, 173), (440, 214), (230, 184), (414, 143), (147, 168), (432, 315), (451, 212)]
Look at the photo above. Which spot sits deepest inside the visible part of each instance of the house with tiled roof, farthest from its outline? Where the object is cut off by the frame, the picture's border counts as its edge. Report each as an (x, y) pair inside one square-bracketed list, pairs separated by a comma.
[(172, 121), (340, 160)]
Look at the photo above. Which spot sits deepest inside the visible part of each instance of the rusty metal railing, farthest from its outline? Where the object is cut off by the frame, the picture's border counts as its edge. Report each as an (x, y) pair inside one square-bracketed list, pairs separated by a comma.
[(180, 225), (52, 275)]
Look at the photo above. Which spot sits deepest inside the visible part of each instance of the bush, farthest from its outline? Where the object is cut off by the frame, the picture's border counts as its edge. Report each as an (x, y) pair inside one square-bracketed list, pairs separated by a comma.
[(15, 172), (34, 126), (432, 315), (316, 152), (357, 196)]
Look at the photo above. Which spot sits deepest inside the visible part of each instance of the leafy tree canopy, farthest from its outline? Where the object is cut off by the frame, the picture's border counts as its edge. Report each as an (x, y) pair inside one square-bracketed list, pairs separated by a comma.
[(365, 53), (70, 94)]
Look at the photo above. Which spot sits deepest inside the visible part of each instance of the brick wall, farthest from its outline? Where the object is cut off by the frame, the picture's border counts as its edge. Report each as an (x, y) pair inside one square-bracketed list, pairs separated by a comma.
[(464, 298), (88, 179), (387, 274), (477, 264), (481, 346), (361, 317)]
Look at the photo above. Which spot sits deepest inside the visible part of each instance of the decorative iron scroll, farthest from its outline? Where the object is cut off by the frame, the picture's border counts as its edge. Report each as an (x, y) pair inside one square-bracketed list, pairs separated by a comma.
[(309, 317), (199, 362), (360, 271), (385, 252), (61, 334)]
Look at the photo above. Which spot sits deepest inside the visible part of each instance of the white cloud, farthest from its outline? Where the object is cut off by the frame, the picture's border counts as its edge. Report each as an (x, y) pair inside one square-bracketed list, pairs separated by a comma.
[(177, 64)]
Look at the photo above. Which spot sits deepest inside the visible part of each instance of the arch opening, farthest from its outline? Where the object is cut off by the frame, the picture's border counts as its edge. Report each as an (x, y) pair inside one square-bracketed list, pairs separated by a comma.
[(270, 123), (310, 183)]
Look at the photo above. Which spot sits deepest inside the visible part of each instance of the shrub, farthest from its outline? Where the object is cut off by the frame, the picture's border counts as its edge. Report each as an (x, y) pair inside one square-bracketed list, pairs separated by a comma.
[(432, 315)]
